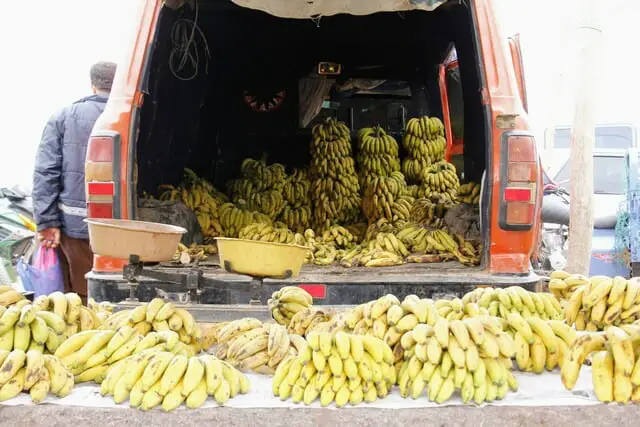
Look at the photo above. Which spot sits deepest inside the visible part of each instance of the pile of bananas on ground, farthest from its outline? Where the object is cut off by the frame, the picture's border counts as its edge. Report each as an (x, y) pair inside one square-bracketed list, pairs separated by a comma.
[(437, 245), (471, 355), (158, 315), (188, 254), (338, 368), (90, 354), (603, 301), (366, 257), (386, 197), (33, 372), (440, 182), (201, 197), (153, 378), (500, 302), (286, 302), (335, 190), (614, 363), (539, 344), (234, 217), (250, 345), (469, 193), (425, 143), (297, 210), (563, 284), (267, 233), (378, 154)]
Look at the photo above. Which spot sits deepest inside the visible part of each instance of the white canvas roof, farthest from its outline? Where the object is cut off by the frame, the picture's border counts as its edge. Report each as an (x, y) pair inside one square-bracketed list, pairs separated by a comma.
[(302, 9)]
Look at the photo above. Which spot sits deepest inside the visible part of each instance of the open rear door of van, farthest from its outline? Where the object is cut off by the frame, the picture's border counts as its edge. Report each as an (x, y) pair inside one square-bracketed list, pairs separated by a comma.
[(518, 67)]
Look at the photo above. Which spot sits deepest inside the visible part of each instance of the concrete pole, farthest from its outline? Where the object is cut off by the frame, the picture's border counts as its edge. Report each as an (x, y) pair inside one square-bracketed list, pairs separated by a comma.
[(583, 135)]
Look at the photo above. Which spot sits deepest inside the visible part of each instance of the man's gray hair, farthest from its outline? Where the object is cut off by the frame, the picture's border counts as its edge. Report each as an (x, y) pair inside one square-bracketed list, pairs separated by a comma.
[(102, 74)]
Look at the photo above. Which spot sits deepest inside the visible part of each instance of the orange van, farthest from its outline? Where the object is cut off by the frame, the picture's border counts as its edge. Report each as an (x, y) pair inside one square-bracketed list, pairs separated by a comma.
[(206, 84)]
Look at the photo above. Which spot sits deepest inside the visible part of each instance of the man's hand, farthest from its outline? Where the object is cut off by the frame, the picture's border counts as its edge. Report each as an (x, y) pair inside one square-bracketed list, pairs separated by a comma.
[(49, 237)]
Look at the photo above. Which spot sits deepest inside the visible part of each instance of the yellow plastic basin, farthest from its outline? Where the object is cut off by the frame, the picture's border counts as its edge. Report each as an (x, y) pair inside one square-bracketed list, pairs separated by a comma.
[(260, 259)]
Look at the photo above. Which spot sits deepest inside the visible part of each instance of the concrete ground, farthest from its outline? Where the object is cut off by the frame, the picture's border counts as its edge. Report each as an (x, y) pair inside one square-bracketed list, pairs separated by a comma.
[(66, 416)]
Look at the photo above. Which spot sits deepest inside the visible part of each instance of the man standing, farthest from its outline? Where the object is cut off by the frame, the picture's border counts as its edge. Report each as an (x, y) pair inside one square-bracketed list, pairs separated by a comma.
[(58, 181)]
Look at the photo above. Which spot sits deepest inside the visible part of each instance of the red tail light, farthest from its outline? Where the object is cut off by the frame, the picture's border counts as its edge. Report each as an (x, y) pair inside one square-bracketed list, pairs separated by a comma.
[(101, 175), (519, 174)]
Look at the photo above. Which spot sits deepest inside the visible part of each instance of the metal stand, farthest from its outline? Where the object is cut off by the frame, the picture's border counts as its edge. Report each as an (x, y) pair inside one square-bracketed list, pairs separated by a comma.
[(190, 281)]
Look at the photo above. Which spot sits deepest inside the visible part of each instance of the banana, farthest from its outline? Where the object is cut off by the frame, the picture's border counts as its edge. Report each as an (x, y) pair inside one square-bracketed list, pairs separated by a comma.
[(95, 343), (13, 362), (59, 304), (198, 396), (622, 350), (154, 370), (544, 331), (193, 375), (173, 398), (518, 323), (602, 375), (165, 312), (35, 368), (13, 386)]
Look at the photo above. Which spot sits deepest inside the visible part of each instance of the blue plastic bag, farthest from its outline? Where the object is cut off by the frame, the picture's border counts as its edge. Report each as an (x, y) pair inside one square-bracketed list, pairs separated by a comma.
[(44, 275)]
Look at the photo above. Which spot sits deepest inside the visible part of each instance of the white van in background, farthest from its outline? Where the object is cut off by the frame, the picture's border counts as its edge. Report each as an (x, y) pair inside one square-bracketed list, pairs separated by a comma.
[(610, 138)]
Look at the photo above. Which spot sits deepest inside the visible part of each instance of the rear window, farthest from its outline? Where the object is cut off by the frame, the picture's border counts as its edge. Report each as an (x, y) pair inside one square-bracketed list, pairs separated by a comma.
[(607, 137), (608, 175)]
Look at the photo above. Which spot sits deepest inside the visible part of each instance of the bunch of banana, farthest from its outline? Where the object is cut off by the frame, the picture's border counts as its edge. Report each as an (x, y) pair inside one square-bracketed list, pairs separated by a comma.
[(424, 212), (413, 169), (323, 254), (540, 344), (68, 310), (267, 233), (380, 194), (443, 180), (413, 190), (89, 354), (386, 318), (604, 301), (296, 188), (210, 333), (306, 320), (26, 327), (335, 190), (439, 242), (338, 368), (201, 197), (367, 257), (469, 193), (9, 296), (425, 143), (456, 309), (286, 302), (502, 301), (296, 218), (378, 154), (388, 242), (338, 236), (563, 284), (471, 355), (103, 310), (153, 378), (259, 349), (615, 366), (158, 315), (33, 372), (263, 176), (188, 254), (234, 218)]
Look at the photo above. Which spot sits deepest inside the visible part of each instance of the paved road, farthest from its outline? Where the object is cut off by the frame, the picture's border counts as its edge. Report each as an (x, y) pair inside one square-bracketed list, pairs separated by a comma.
[(65, 416)]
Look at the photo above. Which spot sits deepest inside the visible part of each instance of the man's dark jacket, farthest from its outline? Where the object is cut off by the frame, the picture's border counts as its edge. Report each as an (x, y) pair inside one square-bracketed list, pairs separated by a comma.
[(58, 180)]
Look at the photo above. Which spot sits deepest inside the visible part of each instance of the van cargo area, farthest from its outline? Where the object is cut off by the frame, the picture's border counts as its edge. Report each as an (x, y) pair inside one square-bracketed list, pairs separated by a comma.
[(244, 84)]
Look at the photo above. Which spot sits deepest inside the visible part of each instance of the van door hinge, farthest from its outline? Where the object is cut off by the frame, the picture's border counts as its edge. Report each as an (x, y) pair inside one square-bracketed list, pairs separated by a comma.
[(138, 99)]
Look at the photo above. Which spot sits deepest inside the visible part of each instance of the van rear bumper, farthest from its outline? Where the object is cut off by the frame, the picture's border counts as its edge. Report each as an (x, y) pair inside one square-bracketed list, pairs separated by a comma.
[(341, 287)]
